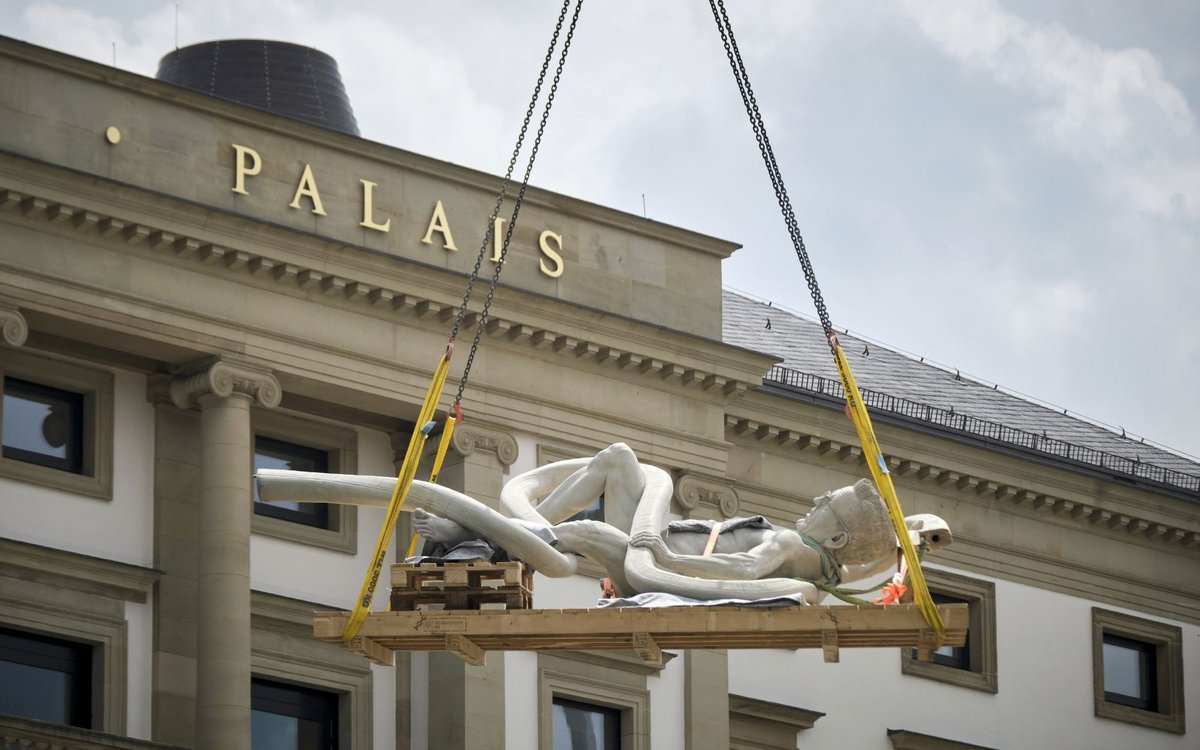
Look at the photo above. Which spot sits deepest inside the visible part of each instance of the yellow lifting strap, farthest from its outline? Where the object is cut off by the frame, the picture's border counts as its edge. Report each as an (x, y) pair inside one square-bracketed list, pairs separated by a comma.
[(408, 471), (883, 480)]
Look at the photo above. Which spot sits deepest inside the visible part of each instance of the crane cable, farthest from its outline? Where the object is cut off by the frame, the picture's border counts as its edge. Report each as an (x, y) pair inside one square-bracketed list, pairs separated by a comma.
[(424, 425), (855, 407)]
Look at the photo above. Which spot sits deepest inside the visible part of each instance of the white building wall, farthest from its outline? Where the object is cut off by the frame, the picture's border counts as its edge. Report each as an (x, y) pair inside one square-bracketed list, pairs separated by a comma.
[(1044, 657), (120, 529), (139, 617)]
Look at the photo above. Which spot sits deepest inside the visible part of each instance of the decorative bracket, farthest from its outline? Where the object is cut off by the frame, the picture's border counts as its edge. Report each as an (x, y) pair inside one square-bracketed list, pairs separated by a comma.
[(13, 328)]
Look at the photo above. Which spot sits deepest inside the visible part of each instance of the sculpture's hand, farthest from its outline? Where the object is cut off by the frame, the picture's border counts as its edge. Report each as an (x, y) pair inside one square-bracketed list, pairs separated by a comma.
[(652, 541)]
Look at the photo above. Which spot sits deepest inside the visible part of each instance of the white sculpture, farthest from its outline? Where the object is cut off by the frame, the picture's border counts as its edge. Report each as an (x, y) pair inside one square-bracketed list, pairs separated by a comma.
[(848, 535)]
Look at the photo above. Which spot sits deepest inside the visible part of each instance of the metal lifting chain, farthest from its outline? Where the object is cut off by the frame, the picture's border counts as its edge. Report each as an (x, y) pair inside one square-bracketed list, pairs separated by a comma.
[(768, 155), (489, 235)]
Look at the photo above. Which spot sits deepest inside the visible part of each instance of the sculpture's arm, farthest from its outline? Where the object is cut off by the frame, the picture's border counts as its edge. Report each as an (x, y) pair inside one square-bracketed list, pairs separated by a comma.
[(759, 562)]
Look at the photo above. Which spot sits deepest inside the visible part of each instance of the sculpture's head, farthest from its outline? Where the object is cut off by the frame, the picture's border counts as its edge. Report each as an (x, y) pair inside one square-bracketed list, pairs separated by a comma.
[(852, 523)]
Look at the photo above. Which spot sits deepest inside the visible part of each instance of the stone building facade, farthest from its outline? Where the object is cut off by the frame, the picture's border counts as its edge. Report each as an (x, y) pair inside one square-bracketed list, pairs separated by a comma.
[(189, 285)]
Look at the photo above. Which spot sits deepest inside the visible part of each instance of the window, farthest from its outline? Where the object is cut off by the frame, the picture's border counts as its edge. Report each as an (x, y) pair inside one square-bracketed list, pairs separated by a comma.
[(56, 424), (955, 657), (282, 441), (593, 701), (583, 726), (277, 454), (285, 655), (45, 678), (972, 665), (1137, 669), (289, 717), (43, 425)]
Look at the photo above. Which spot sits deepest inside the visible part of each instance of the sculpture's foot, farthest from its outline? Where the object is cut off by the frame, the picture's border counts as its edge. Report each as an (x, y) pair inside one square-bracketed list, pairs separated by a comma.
[(440, 530)]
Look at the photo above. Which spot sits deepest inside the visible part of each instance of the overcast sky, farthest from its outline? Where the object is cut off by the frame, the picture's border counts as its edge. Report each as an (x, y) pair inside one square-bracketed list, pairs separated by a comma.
[(1008, 188)]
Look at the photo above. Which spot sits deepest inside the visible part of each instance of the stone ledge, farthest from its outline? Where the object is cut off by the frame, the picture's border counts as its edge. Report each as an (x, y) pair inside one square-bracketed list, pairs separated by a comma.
[(1018, 497), (337, 287), (17, 732), (72, 570)]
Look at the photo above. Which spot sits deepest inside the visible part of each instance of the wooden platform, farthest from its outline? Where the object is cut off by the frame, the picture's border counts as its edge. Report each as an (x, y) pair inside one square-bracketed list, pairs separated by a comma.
[(471, 634), (461, 586)]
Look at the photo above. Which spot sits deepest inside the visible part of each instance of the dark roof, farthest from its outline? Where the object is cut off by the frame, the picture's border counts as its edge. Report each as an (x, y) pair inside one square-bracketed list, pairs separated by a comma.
[(928, 396)]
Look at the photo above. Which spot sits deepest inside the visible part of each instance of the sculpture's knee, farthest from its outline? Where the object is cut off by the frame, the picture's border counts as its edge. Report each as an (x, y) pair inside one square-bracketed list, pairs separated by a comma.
[(616, 458)]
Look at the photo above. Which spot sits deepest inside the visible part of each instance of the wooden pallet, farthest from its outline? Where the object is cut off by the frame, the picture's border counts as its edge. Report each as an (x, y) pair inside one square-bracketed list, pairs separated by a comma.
[(471, 634), (471, 585)]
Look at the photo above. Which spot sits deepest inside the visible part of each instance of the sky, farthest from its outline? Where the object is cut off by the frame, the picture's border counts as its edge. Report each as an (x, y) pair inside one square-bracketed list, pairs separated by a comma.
[(1009, 188)]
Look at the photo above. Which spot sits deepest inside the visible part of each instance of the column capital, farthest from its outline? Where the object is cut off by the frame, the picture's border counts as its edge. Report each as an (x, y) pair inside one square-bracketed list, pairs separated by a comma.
[(13, 328), (694, 490), (471, 438), (225, 378)]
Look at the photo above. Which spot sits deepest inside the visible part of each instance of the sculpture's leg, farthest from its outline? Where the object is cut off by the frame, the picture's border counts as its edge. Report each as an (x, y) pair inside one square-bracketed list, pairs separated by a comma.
[(614, 472), (354, 489)]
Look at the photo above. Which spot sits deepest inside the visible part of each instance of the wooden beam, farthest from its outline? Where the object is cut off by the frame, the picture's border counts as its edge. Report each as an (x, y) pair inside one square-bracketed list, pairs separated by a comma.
[(644, 645), (465, 649), (474, 632), (829, 644), (372, 650)]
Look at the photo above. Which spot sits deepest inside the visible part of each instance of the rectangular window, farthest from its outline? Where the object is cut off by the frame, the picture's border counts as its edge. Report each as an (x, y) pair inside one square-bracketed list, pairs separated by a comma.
[(43, 425), (278, 454), (290, 717), (1137, 669), (45, 678), (972, 665), (583, 726), (56, 424), (955, 657)]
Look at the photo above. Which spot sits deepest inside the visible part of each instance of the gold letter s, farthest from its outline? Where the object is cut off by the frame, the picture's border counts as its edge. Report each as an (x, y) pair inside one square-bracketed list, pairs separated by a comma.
[(549, 252)]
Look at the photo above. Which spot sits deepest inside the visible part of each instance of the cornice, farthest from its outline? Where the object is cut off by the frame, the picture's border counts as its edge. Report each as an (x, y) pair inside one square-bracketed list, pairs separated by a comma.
[(33, 562), (1017, 497), (344, 289)]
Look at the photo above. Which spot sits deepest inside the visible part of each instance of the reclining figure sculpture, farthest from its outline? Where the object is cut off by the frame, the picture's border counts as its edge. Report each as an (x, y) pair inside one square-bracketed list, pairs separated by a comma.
[(847, 536)]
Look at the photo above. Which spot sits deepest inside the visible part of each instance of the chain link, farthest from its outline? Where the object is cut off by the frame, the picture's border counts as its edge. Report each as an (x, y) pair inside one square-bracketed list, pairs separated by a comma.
[(768, 154), (512, 222)]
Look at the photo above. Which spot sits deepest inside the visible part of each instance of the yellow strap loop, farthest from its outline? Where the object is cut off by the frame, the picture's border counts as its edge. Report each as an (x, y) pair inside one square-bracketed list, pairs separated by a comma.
[(408, 471), (452, 419), (883, 480)]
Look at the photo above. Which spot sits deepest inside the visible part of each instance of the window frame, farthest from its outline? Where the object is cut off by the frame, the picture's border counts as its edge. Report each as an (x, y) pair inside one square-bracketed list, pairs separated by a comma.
[(341, 446), (283, 649), (1167, 643), (80, 659), (96, 389), (301, 692), (90, 619), (602, 680), (980, 596)]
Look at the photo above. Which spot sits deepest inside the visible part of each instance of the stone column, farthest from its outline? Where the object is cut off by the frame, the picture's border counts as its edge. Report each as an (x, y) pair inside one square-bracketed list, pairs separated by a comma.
[(466, 704), (224, 391)]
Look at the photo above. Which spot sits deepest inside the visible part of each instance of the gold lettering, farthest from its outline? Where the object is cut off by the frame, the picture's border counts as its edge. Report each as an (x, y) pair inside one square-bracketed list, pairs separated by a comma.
[(308, 189), (438, 223), (369, 209), (549, 252), (242, 168), (497, 238)]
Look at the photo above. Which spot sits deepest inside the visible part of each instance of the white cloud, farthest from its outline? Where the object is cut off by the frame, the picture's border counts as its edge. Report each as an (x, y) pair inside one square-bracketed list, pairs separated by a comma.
[(1110, 108)]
